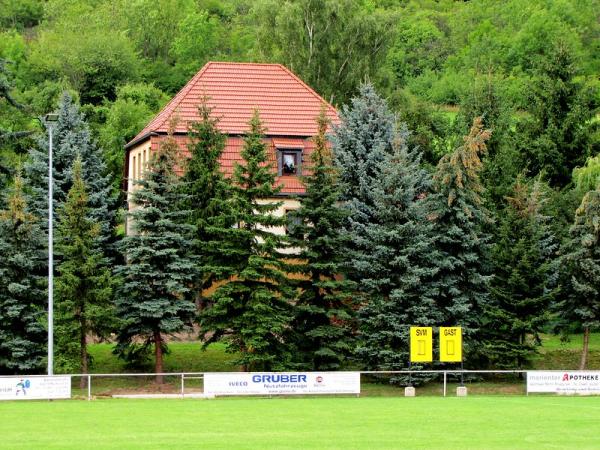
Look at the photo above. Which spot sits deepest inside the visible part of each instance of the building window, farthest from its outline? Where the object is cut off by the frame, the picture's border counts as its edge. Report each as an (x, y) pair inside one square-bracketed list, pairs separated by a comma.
[(133, 169), (289, 162), (292, 221)]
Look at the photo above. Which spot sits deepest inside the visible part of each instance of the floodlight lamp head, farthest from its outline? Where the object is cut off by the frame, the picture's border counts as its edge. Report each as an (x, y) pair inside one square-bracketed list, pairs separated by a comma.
[(51, 117)]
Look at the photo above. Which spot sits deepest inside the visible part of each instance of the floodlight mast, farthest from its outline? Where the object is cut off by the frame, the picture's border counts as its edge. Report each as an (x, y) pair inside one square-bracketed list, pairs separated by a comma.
[(50, 120)]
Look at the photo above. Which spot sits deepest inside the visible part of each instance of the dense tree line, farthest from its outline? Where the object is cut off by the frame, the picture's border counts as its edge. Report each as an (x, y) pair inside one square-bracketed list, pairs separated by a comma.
[(490, 224)]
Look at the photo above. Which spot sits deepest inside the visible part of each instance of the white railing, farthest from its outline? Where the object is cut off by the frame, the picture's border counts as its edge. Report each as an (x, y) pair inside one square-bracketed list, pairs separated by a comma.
[(183, 376)]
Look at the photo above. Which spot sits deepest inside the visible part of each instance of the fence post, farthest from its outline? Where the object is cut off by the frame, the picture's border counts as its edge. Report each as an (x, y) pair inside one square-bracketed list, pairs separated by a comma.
[(445, 383), (89, 383), (182, 385)]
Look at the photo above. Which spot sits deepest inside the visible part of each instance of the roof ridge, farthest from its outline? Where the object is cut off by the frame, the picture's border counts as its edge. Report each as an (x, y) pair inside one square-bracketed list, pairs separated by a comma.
[(247, 63), (311, 90)]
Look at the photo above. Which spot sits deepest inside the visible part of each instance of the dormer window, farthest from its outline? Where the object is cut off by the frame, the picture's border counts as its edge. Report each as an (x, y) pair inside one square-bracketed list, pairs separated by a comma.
[(289, 162)]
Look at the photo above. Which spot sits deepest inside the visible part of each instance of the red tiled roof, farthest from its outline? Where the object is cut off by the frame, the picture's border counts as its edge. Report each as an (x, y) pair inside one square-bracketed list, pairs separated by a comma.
[(288, 143), (288, 109), (287, 106)]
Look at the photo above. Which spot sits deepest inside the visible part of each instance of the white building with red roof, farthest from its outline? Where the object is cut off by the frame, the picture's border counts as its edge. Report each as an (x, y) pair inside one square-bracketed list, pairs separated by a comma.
[(287, 106)]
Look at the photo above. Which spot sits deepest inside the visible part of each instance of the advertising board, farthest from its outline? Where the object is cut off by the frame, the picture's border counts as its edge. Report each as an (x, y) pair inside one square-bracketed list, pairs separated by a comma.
[(281, 383), (582, 382), (35, 388)]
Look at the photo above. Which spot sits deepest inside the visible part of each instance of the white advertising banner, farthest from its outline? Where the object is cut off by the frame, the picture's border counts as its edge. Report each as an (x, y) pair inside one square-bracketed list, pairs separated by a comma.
[(282, 383), (568, 382), (35, 388)]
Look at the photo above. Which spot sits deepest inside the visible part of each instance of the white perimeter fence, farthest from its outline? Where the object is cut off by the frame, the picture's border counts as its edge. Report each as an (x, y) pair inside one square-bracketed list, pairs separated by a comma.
[(376, 383)]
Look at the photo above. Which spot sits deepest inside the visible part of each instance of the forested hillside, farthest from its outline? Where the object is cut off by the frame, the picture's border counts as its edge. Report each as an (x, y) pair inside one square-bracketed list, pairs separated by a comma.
[(124, 59), (529, 167)]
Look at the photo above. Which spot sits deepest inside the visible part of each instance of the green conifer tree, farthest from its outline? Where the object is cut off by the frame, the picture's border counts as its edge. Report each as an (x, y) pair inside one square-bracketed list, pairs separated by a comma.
[(401, 264), (525, 278), (251, 311), (580, 265), (84, 283), (463, 278), (155, 298), (321, 328), (207, 197), (22, 287)]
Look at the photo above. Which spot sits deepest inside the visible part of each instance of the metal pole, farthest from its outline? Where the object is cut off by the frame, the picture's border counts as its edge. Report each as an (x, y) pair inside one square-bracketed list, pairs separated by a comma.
[(182, 389), (50, 262), (89, 377), (445, 383)]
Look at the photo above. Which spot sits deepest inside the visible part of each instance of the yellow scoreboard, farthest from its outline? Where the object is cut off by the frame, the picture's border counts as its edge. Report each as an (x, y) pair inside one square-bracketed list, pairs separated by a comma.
[(421, 344), (450, 344)]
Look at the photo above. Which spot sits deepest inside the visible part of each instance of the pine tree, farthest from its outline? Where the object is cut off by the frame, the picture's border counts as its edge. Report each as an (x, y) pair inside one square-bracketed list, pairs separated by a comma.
[(459, 219), (84, 285), (206, 196), (360, 145), (401, 264), (322, 327), (525, 278), (502, 162), (155, 298), (22, 287), (251, 311), (560, 132), (71, 137), (580, 265)]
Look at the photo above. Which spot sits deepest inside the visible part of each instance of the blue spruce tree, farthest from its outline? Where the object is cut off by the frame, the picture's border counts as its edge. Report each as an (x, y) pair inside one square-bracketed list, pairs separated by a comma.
[(361, 144), (71, 137), (22, 284), (401, 263)]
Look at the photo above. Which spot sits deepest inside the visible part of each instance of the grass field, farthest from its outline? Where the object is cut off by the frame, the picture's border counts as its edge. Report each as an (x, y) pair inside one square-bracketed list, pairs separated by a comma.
[(344, 423)]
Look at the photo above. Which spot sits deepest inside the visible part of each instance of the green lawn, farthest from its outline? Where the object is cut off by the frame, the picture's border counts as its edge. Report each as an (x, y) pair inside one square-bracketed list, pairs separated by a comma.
[(552, 342), (555, 354), (345, 423), (183, 357)]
